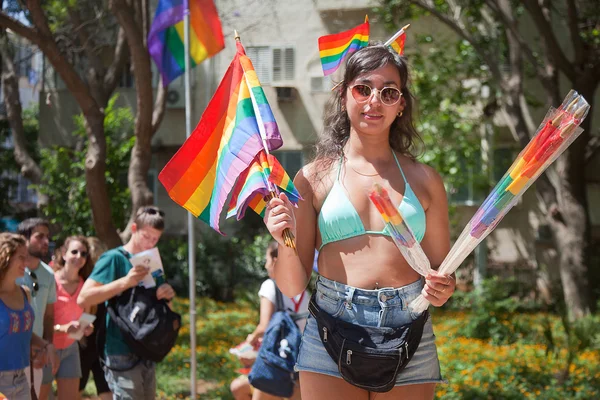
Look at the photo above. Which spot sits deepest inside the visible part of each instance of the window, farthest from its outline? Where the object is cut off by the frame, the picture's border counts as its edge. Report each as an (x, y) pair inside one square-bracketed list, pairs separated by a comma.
[(292, 161), (473, 187), (466, 191), (127, 80), (21, 193), (273, 64)]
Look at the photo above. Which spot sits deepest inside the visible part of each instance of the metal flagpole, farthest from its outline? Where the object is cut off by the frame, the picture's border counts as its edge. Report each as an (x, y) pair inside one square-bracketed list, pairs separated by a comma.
[(190, 217)]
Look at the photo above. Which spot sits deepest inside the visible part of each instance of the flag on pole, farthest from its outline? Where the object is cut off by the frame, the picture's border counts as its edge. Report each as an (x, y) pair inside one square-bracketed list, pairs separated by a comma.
[(253, 185), (234, 128), (333, 48), (165, 40), (398, 43)]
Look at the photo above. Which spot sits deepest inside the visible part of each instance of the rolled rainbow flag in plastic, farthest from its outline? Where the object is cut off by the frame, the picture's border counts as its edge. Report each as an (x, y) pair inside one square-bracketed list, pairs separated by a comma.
[(401, 233), (558, 130)]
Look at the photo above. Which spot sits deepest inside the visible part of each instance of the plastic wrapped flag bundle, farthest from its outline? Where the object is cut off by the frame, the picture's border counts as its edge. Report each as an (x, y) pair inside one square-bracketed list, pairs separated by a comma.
[(558, 130), (400, 231)]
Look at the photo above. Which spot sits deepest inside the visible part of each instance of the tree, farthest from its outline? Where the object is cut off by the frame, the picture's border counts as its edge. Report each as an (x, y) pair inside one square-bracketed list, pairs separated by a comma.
[(493, 29), (65, 180), (91, 93), (73, 35), (134, 20)]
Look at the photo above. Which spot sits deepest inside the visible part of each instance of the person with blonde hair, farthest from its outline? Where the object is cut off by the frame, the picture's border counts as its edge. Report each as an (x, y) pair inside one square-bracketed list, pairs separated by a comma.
[(73, 265), (16, 322)]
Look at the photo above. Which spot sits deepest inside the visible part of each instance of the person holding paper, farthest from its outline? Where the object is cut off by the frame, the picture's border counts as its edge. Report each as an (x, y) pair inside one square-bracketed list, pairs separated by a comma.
[(73, 266), (128, 376)]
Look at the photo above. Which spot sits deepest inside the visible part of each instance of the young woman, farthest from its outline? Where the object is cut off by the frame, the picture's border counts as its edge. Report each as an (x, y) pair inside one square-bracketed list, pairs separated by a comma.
[(88, 352), (73, 266), (16, 321), (240, 387), (368, 138)]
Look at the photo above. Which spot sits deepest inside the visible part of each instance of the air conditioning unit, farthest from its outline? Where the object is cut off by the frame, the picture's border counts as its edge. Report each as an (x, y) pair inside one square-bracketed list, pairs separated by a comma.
[(175, 98)]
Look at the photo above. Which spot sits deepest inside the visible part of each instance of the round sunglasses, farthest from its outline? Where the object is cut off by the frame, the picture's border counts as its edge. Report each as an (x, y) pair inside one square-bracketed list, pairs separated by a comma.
[(388, 95), (83, 254)]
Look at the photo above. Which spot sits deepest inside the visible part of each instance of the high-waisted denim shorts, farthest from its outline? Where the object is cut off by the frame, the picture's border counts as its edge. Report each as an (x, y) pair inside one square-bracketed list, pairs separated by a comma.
[(387, 307)]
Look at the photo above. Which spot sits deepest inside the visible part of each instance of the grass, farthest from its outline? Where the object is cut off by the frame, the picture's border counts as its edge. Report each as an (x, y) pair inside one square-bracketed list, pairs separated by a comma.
[(475, 369)]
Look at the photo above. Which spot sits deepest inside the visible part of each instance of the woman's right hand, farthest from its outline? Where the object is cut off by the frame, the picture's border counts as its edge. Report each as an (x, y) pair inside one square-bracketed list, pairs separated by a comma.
[(279, 215)]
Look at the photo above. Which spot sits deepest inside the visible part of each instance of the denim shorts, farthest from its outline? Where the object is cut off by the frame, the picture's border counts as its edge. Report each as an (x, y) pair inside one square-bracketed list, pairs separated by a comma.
[(387, 307), (70, 366), (14, 386)]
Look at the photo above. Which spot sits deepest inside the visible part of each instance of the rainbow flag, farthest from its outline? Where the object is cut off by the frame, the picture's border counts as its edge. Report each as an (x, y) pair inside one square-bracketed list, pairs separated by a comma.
[(333, 48), (398, 43), (165, 40), (255, 183), (231, 132)]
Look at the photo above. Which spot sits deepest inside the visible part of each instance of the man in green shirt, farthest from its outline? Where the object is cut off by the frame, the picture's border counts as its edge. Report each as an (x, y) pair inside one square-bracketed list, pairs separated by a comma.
[(127, 376)]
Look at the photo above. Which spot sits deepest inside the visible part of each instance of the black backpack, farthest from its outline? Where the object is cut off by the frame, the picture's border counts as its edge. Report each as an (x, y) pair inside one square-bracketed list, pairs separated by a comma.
[(147, 324)]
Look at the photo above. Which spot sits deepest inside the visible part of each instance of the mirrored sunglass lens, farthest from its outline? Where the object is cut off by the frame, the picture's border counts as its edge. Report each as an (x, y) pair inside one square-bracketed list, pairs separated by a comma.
[(361, 92), (36, 286), (84, 254), (390, 95)]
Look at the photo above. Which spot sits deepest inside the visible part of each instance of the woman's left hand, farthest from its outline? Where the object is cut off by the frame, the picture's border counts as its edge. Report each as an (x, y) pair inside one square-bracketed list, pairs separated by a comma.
[(438, 288)]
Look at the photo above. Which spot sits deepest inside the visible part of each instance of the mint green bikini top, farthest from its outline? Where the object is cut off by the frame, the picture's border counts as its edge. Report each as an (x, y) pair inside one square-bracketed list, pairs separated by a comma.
[(338, 219)]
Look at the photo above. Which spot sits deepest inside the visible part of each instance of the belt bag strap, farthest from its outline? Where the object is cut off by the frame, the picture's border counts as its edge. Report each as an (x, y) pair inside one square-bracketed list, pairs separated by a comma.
[(368, 357)]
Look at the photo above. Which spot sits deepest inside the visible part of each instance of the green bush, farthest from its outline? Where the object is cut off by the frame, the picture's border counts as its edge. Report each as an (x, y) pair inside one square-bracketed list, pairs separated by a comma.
[(493, 307), (224, 265)]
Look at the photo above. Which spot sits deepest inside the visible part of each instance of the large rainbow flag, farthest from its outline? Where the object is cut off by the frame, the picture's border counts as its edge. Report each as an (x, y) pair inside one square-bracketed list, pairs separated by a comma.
[(255, 183), (165, 40), (333, 48), (234, 128)]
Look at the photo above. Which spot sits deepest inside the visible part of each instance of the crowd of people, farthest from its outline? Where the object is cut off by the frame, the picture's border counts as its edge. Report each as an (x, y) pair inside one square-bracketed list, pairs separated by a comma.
[(363, 284), (42, 332)]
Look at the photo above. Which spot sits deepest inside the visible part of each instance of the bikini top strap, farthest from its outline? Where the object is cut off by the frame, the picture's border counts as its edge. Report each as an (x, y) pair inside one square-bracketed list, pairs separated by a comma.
[(399, 167)]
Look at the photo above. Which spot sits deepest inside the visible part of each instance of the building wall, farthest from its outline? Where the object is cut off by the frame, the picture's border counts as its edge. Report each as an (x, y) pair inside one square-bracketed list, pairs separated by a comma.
[(298, 103)]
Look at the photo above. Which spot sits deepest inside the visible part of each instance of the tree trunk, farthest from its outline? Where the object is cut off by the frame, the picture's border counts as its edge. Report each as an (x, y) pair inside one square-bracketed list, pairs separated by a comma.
[(132, 20), (570, 223)]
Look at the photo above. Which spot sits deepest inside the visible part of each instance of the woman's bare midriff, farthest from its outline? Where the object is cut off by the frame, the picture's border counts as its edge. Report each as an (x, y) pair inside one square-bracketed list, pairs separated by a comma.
[(366, 262)]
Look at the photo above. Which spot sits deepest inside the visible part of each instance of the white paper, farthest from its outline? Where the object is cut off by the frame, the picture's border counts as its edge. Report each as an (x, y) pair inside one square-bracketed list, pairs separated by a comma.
[(84, 321), (151, 259)]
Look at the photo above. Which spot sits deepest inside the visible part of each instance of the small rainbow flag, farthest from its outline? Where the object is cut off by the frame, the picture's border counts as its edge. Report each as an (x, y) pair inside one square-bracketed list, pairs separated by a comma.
[(333, 48), (398, 43), (254, 184), (231, 132), (165, 40)]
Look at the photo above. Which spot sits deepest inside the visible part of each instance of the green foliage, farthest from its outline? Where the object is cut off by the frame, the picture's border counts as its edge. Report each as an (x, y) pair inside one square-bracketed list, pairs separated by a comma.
[(223, 264), (65, 181), (492, 310)]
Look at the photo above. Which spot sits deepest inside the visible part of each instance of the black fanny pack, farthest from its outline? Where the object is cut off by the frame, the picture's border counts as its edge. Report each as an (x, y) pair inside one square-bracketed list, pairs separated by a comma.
[(368, 357)]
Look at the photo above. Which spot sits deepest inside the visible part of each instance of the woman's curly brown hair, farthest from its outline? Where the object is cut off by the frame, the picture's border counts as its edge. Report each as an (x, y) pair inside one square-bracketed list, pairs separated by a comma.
[(9, 244)]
